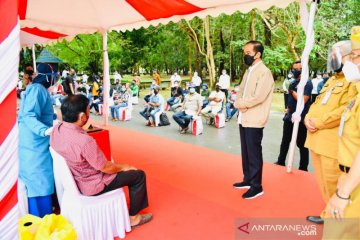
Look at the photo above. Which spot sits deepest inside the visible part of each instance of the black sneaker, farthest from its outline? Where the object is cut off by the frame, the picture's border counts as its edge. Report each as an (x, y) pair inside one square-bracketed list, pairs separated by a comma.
[(241, 185), (253, 193)]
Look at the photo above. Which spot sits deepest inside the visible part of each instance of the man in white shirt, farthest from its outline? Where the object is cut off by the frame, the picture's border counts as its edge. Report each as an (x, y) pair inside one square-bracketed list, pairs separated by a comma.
[(196, 80), (65, 73), (216, 101), (224, 82), (315, 82), (85, 78), (117, 77), (173, 78), (190, 108)]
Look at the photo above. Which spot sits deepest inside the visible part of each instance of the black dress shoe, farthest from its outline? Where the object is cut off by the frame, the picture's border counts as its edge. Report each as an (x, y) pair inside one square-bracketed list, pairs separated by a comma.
[(315, 219)]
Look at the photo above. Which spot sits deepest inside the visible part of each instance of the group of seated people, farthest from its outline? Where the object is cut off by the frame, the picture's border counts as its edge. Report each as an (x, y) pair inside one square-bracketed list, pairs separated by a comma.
[(193, 106), (188, 104), (122, 96)]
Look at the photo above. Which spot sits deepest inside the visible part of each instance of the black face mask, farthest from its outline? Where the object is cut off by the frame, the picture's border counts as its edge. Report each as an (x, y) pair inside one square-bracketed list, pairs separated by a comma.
[(249, 60), (340, 69), (296, 73)]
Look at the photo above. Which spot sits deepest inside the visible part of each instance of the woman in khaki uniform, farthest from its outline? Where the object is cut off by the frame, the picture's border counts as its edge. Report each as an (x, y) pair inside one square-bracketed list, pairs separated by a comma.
[(322, 122), (345, 203)]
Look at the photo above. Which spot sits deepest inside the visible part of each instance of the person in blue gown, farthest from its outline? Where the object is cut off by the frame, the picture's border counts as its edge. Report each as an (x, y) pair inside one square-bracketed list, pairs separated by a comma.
[(35, 122)]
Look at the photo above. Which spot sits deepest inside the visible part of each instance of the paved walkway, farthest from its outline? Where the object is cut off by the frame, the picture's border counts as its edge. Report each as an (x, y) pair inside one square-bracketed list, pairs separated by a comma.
[(225, 139)]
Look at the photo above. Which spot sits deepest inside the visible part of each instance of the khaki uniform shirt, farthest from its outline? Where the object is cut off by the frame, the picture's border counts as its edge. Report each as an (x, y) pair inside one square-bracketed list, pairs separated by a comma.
[(326, 111), (349, 142)]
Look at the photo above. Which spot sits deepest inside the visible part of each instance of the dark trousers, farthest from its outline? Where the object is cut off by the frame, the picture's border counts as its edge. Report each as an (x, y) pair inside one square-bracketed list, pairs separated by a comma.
[(251, 153), (147, 98), (300, 141), (226, 93), (197, 89), (313, 97), (136, 181), (286, 98)]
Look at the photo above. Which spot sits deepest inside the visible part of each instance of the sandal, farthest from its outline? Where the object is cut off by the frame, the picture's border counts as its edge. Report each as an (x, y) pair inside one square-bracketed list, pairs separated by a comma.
[(144, 218)]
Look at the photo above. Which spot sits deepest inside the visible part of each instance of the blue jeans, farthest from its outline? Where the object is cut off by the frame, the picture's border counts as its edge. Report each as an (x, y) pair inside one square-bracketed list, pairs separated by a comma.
[(147, 98), (115, 110), (90, 99), (173, 100), (230, 113), (54, 97), (149, 112), (205, 103), (182, 119)]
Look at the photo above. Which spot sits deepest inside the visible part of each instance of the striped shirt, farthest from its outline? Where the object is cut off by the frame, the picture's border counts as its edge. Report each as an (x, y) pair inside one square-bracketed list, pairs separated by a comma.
[(83, 156)]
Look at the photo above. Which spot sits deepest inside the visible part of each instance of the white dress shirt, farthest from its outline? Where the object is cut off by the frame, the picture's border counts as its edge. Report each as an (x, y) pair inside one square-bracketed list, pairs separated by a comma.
[(174, 78), (224, 81), (196, 80), (251, 69)]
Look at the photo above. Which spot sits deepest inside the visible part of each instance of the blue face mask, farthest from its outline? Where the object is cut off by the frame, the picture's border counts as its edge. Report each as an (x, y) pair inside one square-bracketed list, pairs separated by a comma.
[(203, 88), (192, 90)]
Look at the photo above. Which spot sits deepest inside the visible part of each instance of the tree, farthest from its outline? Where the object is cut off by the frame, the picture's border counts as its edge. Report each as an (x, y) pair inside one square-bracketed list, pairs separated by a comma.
[(207, 51)]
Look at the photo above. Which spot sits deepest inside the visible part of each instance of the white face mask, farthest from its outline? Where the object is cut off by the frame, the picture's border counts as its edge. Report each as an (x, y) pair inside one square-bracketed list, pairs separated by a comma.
[(237, 89), (351, 71)]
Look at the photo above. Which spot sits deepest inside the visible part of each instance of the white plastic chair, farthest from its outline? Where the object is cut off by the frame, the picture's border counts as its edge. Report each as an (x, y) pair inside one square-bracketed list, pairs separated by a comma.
[(22, 198), (135, 100), (125, 113), (220, 120), (196, 125), (100, 217), (157, 115)]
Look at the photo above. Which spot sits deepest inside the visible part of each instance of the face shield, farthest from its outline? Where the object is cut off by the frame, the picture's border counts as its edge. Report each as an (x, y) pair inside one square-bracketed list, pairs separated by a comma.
[(45, 75), (336, 53)]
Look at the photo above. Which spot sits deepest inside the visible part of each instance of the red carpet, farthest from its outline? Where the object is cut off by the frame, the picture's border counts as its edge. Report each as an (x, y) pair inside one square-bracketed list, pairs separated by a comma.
[(190, 188)]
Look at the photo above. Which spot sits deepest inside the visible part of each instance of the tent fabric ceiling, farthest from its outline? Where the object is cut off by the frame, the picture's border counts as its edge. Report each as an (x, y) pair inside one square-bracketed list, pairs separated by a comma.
[(89, 16)]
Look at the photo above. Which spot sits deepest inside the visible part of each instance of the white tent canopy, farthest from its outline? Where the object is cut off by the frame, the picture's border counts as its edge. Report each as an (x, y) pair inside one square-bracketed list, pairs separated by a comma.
[(88, 16)]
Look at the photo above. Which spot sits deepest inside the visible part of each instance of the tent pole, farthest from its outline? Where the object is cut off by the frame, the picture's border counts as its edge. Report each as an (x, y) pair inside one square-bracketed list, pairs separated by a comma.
[(33, 57), (310, 39), (106, 79)]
